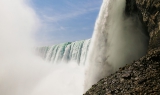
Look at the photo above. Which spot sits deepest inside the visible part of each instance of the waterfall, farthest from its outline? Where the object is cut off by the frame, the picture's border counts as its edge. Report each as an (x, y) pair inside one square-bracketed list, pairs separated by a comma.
[(117, 40), (66, 52)]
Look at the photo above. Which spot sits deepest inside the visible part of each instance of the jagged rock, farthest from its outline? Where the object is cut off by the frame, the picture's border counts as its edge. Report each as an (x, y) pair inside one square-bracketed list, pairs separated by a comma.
[(150, 10), (142, 77)]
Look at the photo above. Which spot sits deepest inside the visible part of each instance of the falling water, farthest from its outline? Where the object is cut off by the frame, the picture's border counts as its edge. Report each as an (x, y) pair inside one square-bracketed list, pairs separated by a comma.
[(117, 40), (65, 52)]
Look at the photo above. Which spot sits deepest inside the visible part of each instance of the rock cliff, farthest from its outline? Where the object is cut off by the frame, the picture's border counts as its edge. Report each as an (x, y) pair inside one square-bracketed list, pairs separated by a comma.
[(142, 77)]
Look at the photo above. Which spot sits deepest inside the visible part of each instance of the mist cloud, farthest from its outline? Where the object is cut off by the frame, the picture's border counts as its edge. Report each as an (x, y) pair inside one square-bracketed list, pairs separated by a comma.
[(21, 71)]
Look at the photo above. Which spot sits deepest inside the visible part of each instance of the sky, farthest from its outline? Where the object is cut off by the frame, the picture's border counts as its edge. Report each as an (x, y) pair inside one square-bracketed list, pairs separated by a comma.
[(65, 20)]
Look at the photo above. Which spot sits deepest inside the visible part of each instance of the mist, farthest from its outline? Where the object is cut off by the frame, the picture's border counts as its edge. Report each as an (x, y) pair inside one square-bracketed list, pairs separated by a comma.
[(117, 40), (21, 71)]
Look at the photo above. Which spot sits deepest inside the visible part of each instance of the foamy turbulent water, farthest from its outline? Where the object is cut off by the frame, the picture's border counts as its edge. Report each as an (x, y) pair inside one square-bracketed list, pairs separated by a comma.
[(24, 73)]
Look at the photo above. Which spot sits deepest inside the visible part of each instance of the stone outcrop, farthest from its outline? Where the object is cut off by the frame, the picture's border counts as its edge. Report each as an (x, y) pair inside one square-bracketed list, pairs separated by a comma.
[(150, 10), (142, 77)]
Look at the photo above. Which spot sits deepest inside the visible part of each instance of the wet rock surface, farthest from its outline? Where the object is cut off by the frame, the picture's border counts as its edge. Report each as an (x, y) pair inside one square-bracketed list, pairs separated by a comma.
[(142, 77), (150, 10)]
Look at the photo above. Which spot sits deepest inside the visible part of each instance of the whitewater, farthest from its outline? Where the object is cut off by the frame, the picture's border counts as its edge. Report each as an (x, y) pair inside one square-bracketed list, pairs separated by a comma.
[(118, 39), (65, 52), (69, 68)]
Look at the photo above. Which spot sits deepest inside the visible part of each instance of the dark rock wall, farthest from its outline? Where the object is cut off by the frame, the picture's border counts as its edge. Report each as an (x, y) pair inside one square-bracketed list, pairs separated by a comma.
[(150, 10), (149, 13), (131, 10)]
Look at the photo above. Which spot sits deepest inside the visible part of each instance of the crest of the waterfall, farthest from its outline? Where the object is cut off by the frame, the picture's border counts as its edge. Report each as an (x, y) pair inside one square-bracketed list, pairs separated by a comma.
[(65, 53), (117, 40)]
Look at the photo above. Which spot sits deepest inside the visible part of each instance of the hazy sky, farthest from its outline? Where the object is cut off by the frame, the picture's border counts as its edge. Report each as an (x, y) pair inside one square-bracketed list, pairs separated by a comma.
[(65, 20)]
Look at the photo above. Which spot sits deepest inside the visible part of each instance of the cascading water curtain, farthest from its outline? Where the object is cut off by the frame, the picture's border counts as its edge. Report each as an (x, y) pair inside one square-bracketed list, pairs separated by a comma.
[(117, 40)]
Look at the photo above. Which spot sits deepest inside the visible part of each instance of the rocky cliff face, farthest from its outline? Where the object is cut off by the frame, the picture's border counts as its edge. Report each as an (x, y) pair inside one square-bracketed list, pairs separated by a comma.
[(142, 77), (150, 10)]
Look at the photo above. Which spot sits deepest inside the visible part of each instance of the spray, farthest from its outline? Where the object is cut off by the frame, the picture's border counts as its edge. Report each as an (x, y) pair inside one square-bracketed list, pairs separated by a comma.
[(21, 71), (117, 40)]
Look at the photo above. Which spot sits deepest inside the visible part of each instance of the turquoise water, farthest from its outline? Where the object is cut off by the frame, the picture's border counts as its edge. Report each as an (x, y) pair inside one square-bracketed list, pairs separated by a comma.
[(66, 52)]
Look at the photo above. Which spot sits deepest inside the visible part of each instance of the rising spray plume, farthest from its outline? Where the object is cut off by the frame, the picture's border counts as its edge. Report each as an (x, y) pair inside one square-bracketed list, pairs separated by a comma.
[(23, 73), (118, 40)]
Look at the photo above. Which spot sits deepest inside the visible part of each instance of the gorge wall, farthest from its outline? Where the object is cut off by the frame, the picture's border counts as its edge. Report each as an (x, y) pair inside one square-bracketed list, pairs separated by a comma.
[(142, 76)]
